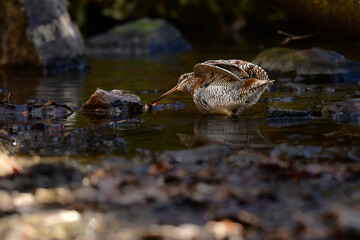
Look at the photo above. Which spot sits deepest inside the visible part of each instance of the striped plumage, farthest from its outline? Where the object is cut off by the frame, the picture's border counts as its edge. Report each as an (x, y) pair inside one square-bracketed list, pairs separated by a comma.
[(223, 86)]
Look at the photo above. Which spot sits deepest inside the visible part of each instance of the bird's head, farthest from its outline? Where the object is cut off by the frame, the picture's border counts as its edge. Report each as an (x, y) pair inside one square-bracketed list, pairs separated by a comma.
[(185, 84)]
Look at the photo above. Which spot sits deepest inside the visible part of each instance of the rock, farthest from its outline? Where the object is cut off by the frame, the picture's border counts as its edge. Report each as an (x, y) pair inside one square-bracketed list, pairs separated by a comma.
[(308, 64), (276, 113), (160, 107), (9, 165), (329, 89), (140, 37), (51, 175), (62, 216), (53, 224), (297, 88), (125, 124), (347, 111), (280, 99), (307, 152), (248, 218), (114, 102), (354, 154), (244, 159), (6, 203), (311, 228), (48, 110), (347, 220), (59, 195), (43, 37), (24, 202), (225, 229), (210, 153), (53, 140)]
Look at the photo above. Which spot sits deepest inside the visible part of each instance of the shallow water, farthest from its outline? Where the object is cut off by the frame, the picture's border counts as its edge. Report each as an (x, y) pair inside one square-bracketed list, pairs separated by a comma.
[(175, 129)]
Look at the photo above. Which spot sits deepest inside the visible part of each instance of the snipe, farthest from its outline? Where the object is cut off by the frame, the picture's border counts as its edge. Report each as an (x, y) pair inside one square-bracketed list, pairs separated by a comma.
[(223, 86)]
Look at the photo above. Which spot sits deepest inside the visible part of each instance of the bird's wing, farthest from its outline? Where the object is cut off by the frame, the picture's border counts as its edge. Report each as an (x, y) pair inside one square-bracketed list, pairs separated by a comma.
[(240, 68), (203, 70)]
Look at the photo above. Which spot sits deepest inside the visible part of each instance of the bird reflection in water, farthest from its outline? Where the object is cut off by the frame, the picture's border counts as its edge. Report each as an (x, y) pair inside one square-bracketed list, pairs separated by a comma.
[(237, 133)]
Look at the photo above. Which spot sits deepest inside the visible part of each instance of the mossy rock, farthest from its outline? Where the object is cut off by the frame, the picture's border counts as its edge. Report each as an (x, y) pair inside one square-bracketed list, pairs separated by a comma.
[(313, 63), (141, 25), (140, 37)]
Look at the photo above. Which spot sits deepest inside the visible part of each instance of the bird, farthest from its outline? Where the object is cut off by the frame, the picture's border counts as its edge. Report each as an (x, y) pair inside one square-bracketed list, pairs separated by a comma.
[(223, 86)]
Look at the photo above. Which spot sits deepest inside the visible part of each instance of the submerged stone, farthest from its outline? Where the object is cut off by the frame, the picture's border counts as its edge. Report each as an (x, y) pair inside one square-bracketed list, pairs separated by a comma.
[(347, 111), (53, 140), (280, 99), (274, 112), (48, 110), (288, 117), (309, 64), (140, 37), (161, 107)]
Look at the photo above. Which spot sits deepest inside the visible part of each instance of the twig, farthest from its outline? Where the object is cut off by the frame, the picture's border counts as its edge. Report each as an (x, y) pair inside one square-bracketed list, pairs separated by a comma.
[(291, 37), (7, 99)]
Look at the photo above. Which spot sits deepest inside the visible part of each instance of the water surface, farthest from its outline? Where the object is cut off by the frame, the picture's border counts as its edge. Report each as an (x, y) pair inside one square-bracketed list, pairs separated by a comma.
[(175, 129)]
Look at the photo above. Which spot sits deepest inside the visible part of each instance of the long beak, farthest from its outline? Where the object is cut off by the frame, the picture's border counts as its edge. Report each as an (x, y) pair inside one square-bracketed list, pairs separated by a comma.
[(165, 94)]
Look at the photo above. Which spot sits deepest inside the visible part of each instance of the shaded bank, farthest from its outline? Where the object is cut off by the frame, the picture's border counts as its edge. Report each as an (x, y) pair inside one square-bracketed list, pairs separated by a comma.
[(341, 17)]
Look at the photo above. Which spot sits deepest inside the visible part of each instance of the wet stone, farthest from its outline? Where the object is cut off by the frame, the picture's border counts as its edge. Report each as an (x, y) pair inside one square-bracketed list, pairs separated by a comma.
[(161, 107), (48, 110), (113, 102), (313, 64), (277, 113), (7, 109), (53, 140), (280, 99), (298, 88), (125, 124), (347, 111)]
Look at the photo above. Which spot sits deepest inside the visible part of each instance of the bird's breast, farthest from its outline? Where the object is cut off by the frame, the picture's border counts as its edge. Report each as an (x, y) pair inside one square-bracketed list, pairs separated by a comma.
[(216, 98)]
